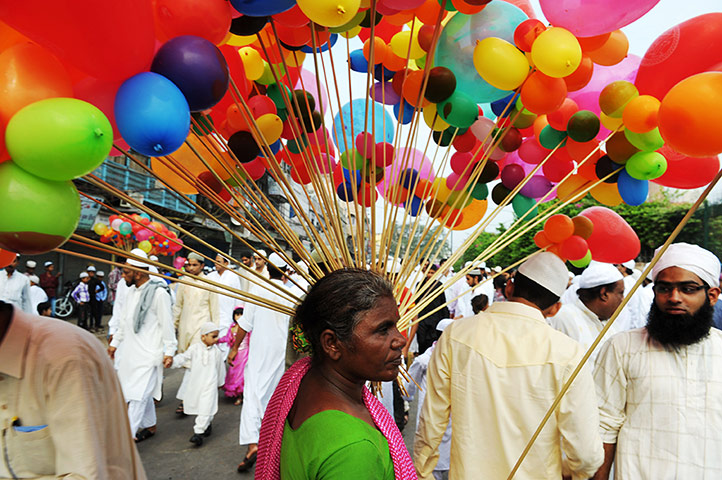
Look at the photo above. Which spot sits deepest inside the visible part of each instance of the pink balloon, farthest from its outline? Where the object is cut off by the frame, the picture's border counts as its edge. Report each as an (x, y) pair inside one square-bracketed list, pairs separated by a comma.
[(531, 152), (143, 234), (482, 127), (307, 81), (459, 163), (457, 182), (178, 262), (406, 158), (588, 97), (587, 18), (612, 240)]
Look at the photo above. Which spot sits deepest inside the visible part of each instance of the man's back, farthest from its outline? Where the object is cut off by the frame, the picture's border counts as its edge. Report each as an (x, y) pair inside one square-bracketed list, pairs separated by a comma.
[(499, 372)]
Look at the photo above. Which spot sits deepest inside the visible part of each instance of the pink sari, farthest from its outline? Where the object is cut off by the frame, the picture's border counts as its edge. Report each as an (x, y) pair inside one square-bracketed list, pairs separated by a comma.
[(234, 378), (274, 419)]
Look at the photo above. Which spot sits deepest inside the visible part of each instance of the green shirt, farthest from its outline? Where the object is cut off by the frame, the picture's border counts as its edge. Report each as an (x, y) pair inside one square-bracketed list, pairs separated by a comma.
[(335, 445)]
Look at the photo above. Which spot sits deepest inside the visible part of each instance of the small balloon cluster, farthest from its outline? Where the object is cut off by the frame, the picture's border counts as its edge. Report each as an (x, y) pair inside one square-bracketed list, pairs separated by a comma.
[(138, 231), (597, 233)]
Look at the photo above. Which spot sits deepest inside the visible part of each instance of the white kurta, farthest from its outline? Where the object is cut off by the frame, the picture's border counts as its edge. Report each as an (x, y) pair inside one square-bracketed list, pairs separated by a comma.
[(16, 290), (191, 310), (37, 296), (207, 372), (463, 304), (662, 408), (143, 352), (578, 322), (266, 360), (121, 293), (222, 305)]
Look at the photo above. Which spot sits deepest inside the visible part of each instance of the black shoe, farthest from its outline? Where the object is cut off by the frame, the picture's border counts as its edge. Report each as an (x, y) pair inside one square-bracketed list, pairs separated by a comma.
[(196, 439), (208, 431)]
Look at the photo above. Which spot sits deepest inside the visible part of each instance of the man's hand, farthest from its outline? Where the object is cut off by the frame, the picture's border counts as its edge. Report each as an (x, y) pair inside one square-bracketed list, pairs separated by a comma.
[(167, 361), (232, 355), (111, 352)]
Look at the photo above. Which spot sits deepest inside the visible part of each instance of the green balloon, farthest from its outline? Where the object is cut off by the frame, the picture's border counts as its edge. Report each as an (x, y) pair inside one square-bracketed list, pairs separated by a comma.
[(646, 165), (458, 110), (583, 126), (421, 62), (480, 191), (352, 160), (522, 204), (274, 93), (549, 138), (582, 262), (524, 118), (37, 215), (267, 77), (647, 142), (59, 138)]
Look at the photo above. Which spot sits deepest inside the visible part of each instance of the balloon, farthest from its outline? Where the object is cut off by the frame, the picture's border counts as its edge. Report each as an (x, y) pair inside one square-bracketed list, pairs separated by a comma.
[(330, 13), (574, 248), (100, 228), (556, 52), (615, 96), (646, 165), (583, 126), (38, 215), (541, 240), (647, 142), (262, 8), (682, 51), (174, 18), (125, 228), (613, 240), (551, 139), (559, 118), (619, 149), (587, 18), (145, 245), (197, 68), (512, 175), (689, 115), (307, 81), (633, 191), (583, 227), (543, 94), (346, 126), (606, 194), (536, 187), (406, 158), (79, 33), (500, 63), (75, 138), (522, 205), (581, 76), (571, 188), (7, 257), (613, 51), (588, 97), (459, 110), (526, 32), (687, 172), (640, 114), (441, 84), (584, 262), (152, 114)]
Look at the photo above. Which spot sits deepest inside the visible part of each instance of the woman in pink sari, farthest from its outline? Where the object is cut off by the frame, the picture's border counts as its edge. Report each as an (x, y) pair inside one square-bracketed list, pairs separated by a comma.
[(322, 422), (233, 388)]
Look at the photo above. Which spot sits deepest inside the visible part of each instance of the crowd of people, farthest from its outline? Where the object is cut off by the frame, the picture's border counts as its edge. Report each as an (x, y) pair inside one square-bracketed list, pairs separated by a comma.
[(493, 354)]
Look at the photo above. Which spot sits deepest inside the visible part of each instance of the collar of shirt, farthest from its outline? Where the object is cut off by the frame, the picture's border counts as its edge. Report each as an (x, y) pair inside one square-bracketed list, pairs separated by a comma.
[(518, 309), (15, 345), (591, 316)]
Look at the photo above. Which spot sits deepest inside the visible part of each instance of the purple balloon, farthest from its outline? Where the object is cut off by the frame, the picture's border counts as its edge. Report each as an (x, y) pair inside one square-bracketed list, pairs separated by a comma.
[(536, 187), (511, 175), (197, 68), (384, 93)]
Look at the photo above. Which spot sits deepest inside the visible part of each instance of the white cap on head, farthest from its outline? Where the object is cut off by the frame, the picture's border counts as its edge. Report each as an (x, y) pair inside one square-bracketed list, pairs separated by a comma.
[(153, 257), (83, 274), (31, 264), (467, 264), (692, 258), (629, 264), (138, 263), (598, 273), (34, 278), (90, 269), (196, 257), (474, 271), (482, 264), (209, 327), (277, 261), (497, 269), (262, 253), (100, 273), (547, 270), (441, 326), (47, 264)]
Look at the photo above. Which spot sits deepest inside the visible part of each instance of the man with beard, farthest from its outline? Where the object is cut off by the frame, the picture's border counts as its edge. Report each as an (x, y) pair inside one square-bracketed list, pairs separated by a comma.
[(660, 387)]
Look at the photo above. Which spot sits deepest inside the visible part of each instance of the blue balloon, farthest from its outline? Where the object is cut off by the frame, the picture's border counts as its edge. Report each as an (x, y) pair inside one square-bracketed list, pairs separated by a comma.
[(345, 191), (634, 192), (197, 68), (408, 112), (352, 176), (409, 178), (331, 42), (152, 114), (262, 8), (499, 106), (358, 62), (415, 206), (383, 74), (379, 122)]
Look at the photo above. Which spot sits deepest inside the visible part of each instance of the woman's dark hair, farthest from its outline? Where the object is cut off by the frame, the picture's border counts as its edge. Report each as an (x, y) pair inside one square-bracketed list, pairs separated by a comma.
[(336, 302), (499, 281), (532, 291), (479, 303)]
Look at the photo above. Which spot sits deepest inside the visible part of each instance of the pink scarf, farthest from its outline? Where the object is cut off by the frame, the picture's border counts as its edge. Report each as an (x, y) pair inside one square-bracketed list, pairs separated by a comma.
[(269, 444)]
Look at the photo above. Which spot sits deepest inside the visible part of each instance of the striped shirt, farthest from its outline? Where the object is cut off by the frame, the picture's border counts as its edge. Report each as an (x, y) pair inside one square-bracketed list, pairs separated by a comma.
[(80, 293)]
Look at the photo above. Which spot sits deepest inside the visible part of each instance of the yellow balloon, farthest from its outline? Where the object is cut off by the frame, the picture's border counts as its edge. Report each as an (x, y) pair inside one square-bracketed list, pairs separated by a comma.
[(239, 40), (434, 121), (252, 62), (556, 52), (500, 63), (607, 194), (145, 246), (329, 13), (472, 215), (100, 228), (270, 126), (440, 191), (609, 122), (295, 58), (400, 45), (571, 188), (352, 32)]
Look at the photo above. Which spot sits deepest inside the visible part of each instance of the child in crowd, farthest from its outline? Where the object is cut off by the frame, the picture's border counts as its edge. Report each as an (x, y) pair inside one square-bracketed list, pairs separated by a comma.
[(479, 303), (207, 372), (233, 388), (44, 309)]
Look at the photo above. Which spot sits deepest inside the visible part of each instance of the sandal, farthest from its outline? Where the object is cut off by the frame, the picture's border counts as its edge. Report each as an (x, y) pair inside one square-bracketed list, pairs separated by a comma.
[(144, 434), (247, 462), (179, 410), (238, 401)]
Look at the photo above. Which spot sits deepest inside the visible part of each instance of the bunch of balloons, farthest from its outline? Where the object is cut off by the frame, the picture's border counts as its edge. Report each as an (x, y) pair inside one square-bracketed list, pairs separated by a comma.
[(138, 231)]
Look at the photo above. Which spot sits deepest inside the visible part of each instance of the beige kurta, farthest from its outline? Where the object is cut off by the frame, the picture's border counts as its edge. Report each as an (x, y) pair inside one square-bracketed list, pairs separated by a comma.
[(191, 310)]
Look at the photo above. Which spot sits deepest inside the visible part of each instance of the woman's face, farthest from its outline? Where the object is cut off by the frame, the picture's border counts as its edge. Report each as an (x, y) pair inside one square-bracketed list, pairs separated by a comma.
[(374, 352)]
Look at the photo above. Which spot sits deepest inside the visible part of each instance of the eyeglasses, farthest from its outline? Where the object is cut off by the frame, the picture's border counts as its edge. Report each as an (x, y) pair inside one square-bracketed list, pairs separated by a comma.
[(685, 288)]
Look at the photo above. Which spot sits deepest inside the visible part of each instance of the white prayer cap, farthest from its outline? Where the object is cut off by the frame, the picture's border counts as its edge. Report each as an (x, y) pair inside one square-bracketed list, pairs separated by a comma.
[(83, 274), (100, 273), (547, 270), (196, 257), (692, 258), (598, 273), (31, 264), (441, 326), (90, 269), (209, 327), (474, 271), (482, 264), (137, 263), (276, 260), (629, 264), (636, 273), (262, 253), (47, 264), (34, 278), (467, 264), (497, 269), (649, 275), (153, 257)]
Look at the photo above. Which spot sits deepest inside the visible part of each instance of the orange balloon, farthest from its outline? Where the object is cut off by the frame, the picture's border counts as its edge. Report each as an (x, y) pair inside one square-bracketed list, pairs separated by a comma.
[(411, 89), (541, 240), (10, 37), (543, 94), (453, 218), (581, 76), (583, 226), (428, 13), (171, 176), (380, 50), (400, 18), (640, 114), (393, 62), (539, 123), (613, 51), (590, 44), (209, 149), (572, 188), (471, 215), (558, 228), (423, 189), (689, 115), (467, 8), (607, 194), (580, 150)]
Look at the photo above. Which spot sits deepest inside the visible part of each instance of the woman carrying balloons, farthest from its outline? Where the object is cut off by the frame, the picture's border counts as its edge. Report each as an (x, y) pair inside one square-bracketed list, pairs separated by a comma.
[(322, 422)]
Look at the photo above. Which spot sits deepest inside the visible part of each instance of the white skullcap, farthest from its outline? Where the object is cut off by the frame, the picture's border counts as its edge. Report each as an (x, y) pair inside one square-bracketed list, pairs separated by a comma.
[(482, 264), (209, 327), (195, 256), (497, 269), (547, 270), (47, 264), (31, 264), (474, 271), (629, 264), (100, 273), (649, 275), (34, 278), (441, 326), (90, 269), (153, 257), (137, 263), (83, 274), (262, 253), (692, 258), (276, 260), (467, 264), (598, 273)]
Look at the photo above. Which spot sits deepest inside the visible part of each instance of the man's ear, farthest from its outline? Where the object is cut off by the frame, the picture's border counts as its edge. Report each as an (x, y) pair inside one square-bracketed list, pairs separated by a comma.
[(509, 288), (553, 310), (330, 344), (713, 294)]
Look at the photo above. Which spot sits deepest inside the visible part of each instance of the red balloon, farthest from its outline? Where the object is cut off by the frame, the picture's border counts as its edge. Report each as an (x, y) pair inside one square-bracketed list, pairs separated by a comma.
[(558, 228), (612, 240), (541, 240), (686, 49), (687, 172), (574, 248), (6, 257), (209, 19)]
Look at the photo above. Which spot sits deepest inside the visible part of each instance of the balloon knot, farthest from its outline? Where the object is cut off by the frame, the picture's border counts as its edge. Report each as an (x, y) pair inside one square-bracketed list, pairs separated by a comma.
[(98, 132), (158, 148), (340, 10)]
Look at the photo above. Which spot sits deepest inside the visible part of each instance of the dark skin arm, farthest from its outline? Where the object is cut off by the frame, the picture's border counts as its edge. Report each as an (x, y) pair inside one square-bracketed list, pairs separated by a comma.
[(603, 472), (236, 343)]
